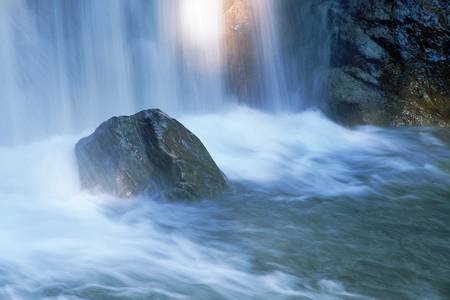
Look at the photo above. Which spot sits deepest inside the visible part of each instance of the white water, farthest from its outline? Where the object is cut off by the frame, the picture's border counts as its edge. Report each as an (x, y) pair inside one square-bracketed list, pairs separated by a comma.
[(55, 237), (308, 154), (273, 87), (68, 65), (58, 240)]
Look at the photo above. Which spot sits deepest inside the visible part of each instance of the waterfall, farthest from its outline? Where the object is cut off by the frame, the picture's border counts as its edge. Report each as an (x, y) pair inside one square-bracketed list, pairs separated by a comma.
[(315, 210), (305, 51), (274, 94), (68, 65), (278, 53)]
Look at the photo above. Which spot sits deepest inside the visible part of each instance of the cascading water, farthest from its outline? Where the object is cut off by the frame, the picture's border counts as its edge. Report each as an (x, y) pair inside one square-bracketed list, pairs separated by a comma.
[(67, 65), (62, 59), (278, 53), (305, 52), (273, 93), (317, 211)]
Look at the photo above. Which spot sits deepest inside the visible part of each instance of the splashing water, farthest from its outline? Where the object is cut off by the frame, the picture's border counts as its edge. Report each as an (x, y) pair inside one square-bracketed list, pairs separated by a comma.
[(317, 211), (293, 212)]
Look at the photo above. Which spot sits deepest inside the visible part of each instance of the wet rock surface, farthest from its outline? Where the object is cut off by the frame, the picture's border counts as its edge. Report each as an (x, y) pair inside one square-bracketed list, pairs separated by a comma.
[(148, 153), (243, 73), (375, 62), (390, 62)]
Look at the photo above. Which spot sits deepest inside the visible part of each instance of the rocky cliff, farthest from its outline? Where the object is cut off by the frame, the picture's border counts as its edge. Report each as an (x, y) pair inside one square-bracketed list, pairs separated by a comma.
[(390, 62), (377, 62)]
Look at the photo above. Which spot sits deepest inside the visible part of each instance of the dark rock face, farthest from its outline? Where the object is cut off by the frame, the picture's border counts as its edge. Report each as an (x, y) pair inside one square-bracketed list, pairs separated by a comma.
[(148, 153), (379, 62), (243, 76), (390, 62)]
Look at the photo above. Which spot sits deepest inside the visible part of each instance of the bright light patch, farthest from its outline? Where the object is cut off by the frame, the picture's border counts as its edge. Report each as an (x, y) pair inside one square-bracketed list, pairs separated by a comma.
[(201, 21)]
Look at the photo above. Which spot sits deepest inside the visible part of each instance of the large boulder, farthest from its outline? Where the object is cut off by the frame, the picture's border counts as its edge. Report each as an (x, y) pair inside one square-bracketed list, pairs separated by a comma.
[(148, 153)]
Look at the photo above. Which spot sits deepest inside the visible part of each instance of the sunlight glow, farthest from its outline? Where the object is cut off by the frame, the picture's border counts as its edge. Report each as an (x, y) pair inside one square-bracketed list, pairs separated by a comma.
[(201, 21)]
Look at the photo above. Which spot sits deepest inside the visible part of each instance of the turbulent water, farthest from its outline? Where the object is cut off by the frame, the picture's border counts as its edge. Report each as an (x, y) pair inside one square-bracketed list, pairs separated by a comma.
[(316, 210)]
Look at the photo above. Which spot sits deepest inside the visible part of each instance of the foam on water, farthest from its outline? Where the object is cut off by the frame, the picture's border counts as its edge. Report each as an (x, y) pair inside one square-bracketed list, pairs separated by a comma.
[(308, 153), (60, 242), (68, 65)]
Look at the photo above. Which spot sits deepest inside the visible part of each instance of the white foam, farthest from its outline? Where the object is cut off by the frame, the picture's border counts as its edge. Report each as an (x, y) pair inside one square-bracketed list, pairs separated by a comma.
[(55, 237), (298, 152)]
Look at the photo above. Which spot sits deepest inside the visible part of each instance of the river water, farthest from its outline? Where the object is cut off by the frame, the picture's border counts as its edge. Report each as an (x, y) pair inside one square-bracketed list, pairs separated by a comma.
[(316, 210)]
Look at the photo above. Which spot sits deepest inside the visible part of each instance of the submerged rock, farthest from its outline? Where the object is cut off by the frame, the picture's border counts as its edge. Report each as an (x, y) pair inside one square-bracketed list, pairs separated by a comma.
[(148, 153)]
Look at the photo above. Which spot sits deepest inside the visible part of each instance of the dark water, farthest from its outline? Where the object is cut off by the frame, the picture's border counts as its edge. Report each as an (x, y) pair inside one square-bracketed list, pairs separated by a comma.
[(316, 212)]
